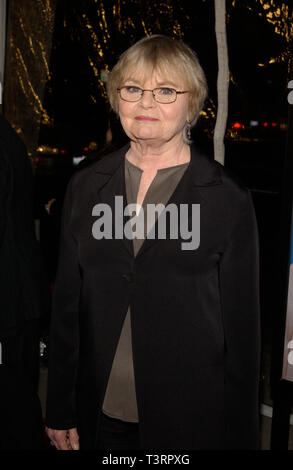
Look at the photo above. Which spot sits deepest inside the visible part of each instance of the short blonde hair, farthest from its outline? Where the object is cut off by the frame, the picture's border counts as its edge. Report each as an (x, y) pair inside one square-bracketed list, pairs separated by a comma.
[(169, 57)]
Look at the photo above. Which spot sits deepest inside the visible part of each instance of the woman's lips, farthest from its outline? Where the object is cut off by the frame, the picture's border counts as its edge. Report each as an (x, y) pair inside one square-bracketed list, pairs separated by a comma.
[(145, 118)]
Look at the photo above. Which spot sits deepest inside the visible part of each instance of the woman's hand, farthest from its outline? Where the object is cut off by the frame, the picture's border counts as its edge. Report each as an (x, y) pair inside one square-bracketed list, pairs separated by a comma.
[(64, 439)]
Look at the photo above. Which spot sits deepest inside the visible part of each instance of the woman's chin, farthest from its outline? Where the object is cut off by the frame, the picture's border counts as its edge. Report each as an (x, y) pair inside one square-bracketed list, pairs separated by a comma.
[(145, 136)]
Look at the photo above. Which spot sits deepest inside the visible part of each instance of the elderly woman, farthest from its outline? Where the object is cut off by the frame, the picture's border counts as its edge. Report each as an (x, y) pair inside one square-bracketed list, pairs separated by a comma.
[(155, 327)]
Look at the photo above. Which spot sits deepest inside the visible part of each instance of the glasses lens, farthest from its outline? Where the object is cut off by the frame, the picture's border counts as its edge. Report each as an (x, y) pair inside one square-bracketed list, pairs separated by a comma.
[(165, 95), (130, 93)]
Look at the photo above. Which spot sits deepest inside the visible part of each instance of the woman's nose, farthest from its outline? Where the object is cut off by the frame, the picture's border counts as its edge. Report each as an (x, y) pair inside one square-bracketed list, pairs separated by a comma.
[(147, 99)]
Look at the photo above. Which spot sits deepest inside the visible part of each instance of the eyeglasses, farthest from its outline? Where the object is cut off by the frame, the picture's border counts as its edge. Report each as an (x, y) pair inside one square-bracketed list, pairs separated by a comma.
[(161, 95)]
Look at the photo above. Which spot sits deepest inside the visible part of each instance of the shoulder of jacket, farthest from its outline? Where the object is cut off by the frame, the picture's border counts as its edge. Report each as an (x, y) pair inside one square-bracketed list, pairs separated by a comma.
[(209, 173)]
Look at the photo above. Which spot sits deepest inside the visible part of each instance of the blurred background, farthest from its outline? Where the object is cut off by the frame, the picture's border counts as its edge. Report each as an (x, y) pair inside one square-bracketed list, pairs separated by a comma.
[(57, 57)]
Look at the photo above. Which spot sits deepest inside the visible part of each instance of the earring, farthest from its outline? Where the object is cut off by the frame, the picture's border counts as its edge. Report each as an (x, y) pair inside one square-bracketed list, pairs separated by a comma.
[(188, 130)]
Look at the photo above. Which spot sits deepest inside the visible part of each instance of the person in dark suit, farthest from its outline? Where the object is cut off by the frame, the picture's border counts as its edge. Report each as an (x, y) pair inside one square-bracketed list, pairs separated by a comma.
[(24, 298), (154, 340)]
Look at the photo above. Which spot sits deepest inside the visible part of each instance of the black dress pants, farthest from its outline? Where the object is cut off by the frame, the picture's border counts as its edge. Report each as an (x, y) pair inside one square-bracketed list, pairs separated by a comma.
[(118, 435)]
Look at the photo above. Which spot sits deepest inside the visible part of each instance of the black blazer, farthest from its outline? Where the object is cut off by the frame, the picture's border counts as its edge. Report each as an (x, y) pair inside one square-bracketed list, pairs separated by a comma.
[(194, 315), (24, 290)]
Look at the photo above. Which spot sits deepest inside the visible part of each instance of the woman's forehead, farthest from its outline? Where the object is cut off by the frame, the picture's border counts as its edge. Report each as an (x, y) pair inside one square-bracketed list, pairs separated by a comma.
[(156, 75)]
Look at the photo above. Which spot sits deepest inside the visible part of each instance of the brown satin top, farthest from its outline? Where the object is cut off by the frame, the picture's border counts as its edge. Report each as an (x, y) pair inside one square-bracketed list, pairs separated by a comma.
[(120, 398)]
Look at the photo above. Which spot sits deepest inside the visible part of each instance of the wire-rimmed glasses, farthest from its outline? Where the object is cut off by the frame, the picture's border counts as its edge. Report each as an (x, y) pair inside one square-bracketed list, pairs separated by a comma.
[(163, 95)]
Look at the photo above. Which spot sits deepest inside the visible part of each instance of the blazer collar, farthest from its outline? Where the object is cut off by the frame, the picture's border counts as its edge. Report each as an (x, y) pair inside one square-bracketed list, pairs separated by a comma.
[(204, 171)]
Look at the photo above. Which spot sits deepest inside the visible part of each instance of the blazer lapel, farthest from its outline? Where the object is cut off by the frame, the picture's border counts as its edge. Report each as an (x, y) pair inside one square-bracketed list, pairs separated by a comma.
[(201, 173), (110, 186)]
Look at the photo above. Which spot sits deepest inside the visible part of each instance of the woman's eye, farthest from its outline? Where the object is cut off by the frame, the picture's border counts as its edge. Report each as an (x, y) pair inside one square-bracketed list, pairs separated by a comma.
[(165, 91), (133, 89)]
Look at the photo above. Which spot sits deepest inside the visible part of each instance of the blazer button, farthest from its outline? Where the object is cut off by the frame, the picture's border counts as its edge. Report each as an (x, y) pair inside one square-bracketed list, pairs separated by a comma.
[(128, 277)]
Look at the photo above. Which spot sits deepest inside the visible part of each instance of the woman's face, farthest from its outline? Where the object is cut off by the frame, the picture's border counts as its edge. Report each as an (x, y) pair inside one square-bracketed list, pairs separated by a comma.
[(150, 121)]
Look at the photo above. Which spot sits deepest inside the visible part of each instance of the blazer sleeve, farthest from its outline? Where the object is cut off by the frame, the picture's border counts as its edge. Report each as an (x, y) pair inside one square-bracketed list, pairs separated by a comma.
[(239, 286), (64, 329)]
